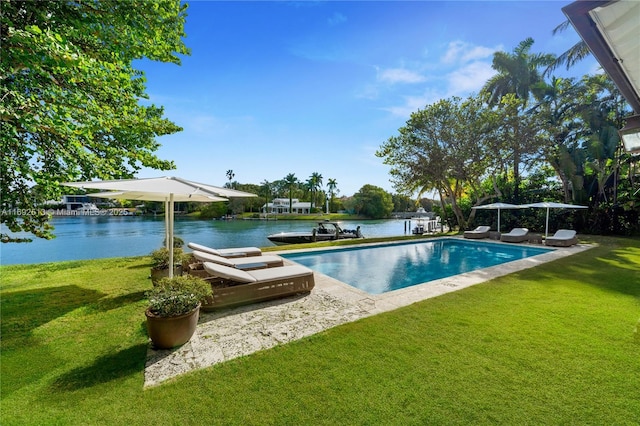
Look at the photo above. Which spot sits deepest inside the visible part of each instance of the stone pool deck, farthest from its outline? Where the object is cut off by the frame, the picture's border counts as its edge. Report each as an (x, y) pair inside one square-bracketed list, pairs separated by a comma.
[(237, 332)]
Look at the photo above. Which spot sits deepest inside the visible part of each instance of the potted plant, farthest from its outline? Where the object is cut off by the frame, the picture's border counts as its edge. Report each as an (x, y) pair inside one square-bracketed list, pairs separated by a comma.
[(160, 265), (174, 308)]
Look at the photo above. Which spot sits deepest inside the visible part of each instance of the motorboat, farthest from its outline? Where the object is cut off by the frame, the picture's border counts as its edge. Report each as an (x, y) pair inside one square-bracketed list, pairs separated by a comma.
[(325, 231), (88, 209), (419, 229), (425, 225)]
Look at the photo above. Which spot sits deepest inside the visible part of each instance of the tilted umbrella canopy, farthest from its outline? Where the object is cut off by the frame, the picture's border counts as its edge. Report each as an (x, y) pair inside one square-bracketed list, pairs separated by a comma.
[(550, 205), (497, 206), (168, 189)]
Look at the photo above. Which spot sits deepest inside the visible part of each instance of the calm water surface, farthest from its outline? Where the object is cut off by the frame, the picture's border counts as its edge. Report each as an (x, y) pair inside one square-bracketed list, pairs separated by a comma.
[(108, 236)]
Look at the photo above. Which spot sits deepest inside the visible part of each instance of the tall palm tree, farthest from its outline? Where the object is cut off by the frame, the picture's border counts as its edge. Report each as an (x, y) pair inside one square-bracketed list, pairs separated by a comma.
[(265, 189), (332, 184), (518, 75), (517, 72), (230, 176), (291, 182), (315, 183)]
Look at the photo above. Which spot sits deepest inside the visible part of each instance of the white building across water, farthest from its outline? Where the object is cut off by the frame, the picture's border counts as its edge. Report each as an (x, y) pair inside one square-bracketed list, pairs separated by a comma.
[(281, 206)]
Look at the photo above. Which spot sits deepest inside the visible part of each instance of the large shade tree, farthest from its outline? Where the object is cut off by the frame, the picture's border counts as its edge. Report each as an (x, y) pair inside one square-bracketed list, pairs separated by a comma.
[(373, 202), (447, 147), (71, 100)]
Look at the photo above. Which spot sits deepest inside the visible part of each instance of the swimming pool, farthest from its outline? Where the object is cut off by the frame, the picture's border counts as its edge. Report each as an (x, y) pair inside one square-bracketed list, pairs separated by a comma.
[(382, 268)]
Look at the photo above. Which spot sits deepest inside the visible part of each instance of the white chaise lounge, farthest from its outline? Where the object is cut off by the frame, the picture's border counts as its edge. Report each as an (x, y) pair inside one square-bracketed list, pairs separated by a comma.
[(562, 238), (233, 286), (516, 235), (479, 232)]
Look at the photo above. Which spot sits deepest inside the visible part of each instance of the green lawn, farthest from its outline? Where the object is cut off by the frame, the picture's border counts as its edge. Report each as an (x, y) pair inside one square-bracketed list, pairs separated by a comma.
[(556, 344)]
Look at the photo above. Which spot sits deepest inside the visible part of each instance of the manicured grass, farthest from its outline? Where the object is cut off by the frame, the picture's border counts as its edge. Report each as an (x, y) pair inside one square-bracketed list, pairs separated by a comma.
[(556, 344)]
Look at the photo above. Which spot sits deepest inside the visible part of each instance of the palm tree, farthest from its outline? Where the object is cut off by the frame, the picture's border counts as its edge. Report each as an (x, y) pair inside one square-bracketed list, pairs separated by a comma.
[(315, 183), (291, 182), (572, 56), (559, 105), (332, 184), (230, 176), (517, 72), (265, 189), (518, 76)]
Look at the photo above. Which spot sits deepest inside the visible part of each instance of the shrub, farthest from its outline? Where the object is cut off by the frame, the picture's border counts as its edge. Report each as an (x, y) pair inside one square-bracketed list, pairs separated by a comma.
[(160, 257), (177, 295)]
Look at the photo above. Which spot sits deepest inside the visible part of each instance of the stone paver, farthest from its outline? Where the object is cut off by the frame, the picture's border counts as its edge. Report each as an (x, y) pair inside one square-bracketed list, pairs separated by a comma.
[(236, 332)]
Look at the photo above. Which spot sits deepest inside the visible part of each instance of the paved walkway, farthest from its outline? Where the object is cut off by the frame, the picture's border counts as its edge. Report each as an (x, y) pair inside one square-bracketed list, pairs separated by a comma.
[(236, 332)]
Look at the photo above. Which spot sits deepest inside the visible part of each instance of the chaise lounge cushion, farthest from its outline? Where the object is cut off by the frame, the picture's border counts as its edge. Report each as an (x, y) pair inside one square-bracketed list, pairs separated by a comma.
[(243, 262), (228, 273), (260, 275), (228, 252)]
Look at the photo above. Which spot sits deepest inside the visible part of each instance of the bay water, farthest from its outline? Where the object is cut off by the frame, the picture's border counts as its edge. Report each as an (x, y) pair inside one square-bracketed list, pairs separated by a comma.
[(93, 237)]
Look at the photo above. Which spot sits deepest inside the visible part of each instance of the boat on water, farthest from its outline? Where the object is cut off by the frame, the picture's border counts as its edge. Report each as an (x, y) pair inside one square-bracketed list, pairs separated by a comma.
[(425, 225), (420, 228), (325, 231)]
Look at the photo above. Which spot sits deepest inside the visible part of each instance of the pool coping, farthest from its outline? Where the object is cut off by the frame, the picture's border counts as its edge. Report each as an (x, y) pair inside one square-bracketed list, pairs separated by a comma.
[(235, 332)]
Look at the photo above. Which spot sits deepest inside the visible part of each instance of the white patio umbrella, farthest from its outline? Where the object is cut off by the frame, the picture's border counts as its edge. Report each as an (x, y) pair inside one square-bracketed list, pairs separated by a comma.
[(550, 205), (168, 189), (497, 206)]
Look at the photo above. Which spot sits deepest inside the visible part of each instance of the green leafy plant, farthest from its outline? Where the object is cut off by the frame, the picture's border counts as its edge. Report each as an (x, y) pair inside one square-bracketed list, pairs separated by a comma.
[(177, 296), (177, 242), (160, 257)]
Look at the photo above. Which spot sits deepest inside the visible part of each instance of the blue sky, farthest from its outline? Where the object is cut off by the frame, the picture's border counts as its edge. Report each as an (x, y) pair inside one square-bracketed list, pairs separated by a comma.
[(273, 88)]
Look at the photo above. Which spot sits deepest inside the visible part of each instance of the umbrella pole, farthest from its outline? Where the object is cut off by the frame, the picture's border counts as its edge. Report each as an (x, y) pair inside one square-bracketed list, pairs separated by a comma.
[(546, 228), (166, 223), (498, 220), (170, 237)]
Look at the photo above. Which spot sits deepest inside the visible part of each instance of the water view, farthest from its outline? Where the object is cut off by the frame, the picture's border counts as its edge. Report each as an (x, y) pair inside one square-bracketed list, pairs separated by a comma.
[(111, 236)]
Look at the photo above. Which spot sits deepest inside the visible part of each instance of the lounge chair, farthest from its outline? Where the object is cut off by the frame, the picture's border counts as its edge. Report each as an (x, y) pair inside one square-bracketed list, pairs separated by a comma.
[(228, 252), (237, 287), (479, 232), (246, 263), (516, 235), (562, 238)]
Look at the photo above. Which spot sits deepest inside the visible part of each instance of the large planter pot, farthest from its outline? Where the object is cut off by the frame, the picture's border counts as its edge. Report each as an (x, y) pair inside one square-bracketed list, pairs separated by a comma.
[(169, 332), (158, 274)]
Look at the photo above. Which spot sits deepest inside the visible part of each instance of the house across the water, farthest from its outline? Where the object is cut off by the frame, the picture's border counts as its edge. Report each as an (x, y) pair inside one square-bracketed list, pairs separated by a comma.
[(281, 206)]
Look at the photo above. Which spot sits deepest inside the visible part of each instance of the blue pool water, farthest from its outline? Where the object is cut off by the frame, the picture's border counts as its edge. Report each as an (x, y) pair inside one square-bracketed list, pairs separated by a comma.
[(384, 268)]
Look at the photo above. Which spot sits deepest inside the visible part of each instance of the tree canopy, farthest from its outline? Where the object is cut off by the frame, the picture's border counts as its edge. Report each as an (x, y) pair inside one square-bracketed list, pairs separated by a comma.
[(561, 133), (71, 104), (373, 201)]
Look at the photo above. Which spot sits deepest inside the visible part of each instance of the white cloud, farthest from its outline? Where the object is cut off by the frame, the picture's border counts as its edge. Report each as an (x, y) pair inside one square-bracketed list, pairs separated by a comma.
[(412, 104), (461, 52), (399, 75), (462, 70), (469, 78)]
